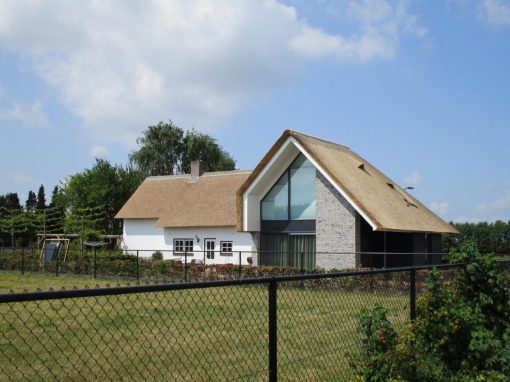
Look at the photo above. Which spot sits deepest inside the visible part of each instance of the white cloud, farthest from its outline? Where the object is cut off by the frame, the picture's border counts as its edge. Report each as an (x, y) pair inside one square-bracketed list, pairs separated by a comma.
[(21, 177), (413, 179), (31, 115), (99, 151), (381, 24), (120, 66), (495, 12), (440, 208), (500, 204), (315, 43), (467, 219)]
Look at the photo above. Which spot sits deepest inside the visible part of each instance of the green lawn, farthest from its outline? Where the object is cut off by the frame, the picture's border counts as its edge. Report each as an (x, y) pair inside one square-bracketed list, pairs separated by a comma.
[(32, 282), (212, 334)]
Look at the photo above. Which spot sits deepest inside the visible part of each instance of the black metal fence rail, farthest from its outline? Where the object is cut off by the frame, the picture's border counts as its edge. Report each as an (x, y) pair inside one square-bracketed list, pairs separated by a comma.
[(297, 327)]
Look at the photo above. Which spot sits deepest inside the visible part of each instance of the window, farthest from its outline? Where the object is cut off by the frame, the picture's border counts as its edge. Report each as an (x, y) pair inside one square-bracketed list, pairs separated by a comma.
[(183, 245), (226, 247), (275, 206), (293, 195), (302, 191)]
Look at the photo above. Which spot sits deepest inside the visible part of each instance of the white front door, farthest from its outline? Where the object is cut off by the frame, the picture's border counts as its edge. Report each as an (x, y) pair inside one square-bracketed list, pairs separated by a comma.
[(209, 250)]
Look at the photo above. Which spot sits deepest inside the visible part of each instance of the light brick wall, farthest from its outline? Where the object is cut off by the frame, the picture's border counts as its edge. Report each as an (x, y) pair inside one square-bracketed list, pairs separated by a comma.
[(337, 228)]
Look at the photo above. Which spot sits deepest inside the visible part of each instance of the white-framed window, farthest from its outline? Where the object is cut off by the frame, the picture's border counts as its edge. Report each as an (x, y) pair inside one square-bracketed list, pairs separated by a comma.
[(226, 247), (183, 245)]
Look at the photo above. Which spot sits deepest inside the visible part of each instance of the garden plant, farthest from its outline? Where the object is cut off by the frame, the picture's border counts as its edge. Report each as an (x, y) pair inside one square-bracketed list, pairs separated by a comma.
[(461, 332)]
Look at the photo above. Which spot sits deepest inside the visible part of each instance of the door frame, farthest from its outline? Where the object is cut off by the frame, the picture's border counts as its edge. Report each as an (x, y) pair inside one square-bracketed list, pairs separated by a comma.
[(207, 251)]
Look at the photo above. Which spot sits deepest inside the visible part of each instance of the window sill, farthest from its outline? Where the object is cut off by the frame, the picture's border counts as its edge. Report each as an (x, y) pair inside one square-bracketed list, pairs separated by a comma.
[(226, 253)]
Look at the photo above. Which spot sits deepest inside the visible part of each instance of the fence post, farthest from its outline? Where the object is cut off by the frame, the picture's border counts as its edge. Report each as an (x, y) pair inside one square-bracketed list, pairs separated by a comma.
[(95, 268), (412, 303), (56, 265), (240, 266), (273, 332), (302, 262), (137, 270), (186, 266), (23, 262)]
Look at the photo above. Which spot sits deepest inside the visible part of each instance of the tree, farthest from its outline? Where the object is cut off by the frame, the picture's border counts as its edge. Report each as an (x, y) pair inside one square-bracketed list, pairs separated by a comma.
[(55, 195), (31, 202), (161, 148), (165, 149), (41, 198), (57, 210), (12, 201), (489, 237), (203, 147), (101, 191)]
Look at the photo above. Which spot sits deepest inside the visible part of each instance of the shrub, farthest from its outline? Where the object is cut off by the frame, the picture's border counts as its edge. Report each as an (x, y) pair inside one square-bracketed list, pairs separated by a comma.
[(92, 235), (461, 333), (158, 255)]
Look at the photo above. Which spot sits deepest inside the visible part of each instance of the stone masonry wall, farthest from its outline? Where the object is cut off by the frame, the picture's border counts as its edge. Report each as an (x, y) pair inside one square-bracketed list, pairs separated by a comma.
[(337, 228)]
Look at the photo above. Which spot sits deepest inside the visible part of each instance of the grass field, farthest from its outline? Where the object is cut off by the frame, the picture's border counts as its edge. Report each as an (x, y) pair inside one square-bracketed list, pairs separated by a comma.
[(212, 334), (32, 282)]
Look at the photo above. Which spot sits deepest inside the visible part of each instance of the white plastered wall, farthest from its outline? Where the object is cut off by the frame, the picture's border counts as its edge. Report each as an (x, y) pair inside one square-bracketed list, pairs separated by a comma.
[(143, 236)]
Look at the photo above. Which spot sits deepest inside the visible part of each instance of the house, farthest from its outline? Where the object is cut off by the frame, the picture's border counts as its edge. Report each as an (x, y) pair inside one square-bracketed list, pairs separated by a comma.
[(188, 215), (308, 203)]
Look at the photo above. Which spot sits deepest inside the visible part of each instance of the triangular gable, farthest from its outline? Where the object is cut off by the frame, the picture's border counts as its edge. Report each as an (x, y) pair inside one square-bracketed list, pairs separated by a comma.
[(381, 202)]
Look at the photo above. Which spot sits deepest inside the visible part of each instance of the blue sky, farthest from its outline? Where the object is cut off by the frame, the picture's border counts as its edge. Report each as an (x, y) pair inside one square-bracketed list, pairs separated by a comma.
[(421, 89)]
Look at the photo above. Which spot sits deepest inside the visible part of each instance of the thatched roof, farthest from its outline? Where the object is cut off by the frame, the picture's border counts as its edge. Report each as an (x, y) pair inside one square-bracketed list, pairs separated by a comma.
[(382, 201), (183, 201)]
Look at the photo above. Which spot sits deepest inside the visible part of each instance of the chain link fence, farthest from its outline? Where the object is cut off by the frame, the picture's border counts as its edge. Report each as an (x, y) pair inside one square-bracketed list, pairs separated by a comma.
[(288, 328)]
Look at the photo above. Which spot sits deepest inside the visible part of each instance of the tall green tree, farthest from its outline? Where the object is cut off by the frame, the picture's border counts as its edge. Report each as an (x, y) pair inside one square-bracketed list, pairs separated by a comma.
[(160, 150), (41, 198), (31, 202), (166, 149), (12, 201), (56, 194), (56, 212), (104, 187), (198, 146)]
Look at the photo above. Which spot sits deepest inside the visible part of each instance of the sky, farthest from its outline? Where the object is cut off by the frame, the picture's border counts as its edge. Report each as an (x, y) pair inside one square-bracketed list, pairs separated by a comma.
[(421, 89)]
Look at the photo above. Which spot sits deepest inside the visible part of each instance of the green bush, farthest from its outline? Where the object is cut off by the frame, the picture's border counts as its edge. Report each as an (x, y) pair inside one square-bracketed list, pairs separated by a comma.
[(158, 255), (92, 235), (461, 333)]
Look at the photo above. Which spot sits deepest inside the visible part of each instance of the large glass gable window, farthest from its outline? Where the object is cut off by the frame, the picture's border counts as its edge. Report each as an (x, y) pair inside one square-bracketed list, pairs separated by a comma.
[(293, 195), (275, 206), (302, 190)]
